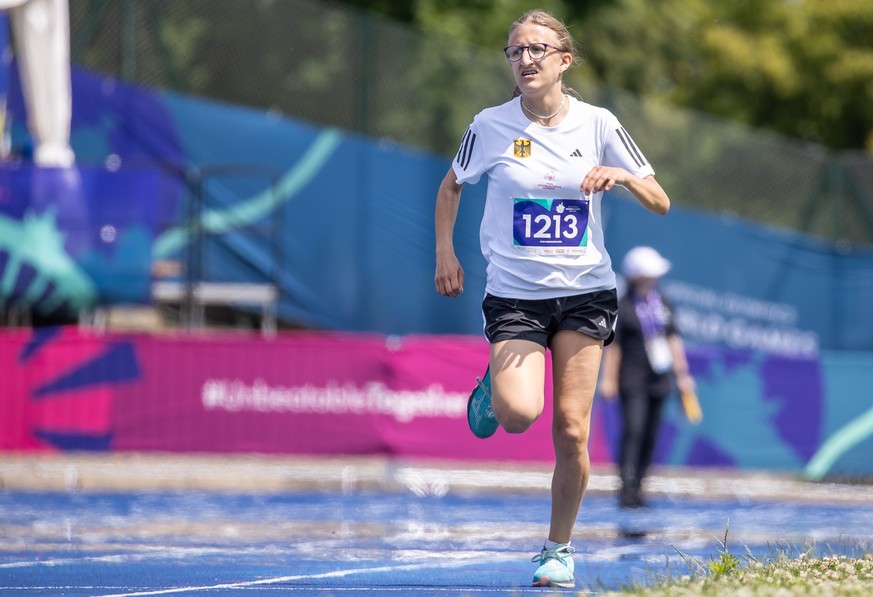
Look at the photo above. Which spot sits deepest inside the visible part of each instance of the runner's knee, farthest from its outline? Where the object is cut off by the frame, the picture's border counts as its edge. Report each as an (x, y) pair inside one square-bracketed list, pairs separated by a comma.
[(516, 417), (570, 439)]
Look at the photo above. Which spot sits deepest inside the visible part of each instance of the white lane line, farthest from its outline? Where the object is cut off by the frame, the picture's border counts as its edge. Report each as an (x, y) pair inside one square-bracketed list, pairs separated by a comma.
[(330, 590), (298, 577)]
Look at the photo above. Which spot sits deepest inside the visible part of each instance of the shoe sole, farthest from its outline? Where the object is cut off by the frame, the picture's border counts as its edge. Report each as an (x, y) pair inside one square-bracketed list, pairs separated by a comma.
[(545, 582)]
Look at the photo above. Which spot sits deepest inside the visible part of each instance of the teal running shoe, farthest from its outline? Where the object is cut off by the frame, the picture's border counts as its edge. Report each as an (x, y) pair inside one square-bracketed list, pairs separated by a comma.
[(480, 417), (556, 567)]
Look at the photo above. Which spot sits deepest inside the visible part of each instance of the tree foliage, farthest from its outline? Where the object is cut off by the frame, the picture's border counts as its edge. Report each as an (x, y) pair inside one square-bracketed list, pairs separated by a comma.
[(802, 68)]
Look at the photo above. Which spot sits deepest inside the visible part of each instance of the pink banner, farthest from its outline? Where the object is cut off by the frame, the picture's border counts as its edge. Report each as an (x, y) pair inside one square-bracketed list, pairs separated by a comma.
[(301, 393)]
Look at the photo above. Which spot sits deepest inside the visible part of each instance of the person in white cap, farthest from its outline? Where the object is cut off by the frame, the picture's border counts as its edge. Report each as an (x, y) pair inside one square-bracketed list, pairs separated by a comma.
[(638, 367)]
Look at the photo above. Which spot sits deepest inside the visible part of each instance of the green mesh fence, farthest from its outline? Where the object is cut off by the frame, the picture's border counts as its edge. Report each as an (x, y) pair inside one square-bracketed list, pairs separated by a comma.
[(350, 69)]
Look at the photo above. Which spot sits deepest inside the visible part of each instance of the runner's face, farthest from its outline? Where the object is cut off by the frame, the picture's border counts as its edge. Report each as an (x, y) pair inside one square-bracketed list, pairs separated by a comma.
[(538, 76)]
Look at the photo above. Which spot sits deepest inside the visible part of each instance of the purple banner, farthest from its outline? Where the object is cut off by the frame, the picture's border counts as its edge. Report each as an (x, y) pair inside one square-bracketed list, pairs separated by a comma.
[(74, 237), (346, 394)]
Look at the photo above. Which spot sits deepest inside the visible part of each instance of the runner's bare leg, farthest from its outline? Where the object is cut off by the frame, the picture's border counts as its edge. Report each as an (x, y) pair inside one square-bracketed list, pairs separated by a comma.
[(575, 366)]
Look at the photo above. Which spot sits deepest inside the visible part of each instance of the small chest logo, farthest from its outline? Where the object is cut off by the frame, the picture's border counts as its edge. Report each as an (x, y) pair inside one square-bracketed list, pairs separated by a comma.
[(521, 148), (549, 185)]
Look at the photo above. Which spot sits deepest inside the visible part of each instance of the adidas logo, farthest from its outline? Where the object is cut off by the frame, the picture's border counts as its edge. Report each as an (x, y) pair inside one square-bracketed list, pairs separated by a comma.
[(576, 154)]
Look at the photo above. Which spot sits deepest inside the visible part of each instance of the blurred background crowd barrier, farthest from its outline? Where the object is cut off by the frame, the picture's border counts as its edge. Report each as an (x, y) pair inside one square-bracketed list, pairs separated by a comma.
[(274, 166)]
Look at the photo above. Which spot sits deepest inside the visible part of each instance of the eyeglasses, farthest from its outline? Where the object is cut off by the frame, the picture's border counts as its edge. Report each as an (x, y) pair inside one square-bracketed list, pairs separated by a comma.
[(536, 51)]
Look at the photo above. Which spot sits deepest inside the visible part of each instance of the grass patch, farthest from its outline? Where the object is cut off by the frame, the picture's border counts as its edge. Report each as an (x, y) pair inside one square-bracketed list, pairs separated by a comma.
[(783, 573)]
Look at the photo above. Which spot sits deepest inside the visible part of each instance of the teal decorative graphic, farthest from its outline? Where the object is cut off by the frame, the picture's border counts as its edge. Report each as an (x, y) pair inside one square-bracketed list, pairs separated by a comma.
[(37, 271)]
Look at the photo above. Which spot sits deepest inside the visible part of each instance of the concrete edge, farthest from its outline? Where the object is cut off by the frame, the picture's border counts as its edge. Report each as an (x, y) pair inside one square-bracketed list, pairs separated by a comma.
[(147, 472)]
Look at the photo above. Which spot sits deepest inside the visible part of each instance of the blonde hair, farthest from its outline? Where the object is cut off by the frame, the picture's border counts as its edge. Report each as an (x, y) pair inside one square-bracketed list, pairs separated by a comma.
[(565, 40)]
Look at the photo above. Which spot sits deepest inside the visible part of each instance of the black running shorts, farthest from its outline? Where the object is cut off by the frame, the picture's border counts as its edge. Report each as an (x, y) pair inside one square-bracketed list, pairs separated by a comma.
[(539, 320)]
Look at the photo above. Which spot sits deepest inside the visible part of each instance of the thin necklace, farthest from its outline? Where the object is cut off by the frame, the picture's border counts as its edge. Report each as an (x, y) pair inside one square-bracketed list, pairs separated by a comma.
[(553, 114)]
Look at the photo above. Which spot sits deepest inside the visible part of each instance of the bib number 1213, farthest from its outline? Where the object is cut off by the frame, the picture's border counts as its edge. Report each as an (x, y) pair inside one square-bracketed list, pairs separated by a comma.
[(544, 226)]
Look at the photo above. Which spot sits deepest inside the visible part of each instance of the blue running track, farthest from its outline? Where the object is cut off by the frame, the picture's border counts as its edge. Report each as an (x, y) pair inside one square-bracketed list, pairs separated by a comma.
[(378, 542)]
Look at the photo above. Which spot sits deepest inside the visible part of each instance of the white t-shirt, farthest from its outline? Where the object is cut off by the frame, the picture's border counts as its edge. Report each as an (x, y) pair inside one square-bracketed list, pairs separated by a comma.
[(540, 236)]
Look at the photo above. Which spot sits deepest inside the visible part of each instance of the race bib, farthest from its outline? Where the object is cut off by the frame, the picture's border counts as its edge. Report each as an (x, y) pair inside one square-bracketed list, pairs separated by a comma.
[(660, 356), (550, 226)]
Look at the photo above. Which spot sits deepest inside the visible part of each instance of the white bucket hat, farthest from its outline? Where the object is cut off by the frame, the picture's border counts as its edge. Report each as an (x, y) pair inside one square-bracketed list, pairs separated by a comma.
[(644, 262)]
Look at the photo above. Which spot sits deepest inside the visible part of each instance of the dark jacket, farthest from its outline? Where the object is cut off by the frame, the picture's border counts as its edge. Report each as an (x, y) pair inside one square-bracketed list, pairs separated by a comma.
[(635, 373)]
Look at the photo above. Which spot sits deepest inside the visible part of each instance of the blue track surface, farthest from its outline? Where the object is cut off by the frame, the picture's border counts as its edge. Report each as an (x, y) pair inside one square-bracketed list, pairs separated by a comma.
[(371, 542)]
